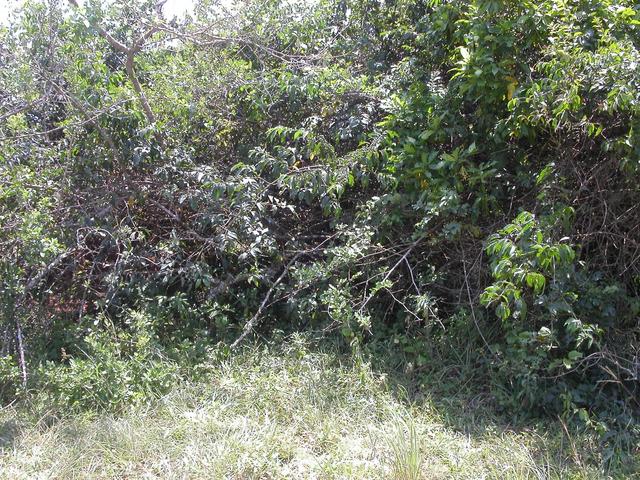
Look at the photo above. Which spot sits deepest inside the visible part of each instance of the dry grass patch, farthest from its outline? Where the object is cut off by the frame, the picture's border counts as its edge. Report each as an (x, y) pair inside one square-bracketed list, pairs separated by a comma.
[(276, 416)]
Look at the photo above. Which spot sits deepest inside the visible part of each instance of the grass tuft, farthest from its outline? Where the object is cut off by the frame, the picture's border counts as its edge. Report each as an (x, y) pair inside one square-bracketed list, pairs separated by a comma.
[(404, 447)]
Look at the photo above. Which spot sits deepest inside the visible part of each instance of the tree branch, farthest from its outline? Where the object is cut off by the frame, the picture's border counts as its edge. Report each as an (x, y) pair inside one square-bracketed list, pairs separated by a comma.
[(251, 324), (130, 52)]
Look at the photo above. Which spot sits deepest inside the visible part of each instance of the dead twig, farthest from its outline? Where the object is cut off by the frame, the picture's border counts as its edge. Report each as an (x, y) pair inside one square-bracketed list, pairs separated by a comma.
[(251, 324), (392, 269)]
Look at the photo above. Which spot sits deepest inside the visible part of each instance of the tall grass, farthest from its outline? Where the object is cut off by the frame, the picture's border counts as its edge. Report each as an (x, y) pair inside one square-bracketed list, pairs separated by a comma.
[(404, 447), (283, 415)]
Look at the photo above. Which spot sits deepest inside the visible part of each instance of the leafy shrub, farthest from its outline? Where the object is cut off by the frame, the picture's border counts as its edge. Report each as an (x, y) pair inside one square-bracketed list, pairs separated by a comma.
[(10, 379), (113, 371), (357, 169), (534, 299)]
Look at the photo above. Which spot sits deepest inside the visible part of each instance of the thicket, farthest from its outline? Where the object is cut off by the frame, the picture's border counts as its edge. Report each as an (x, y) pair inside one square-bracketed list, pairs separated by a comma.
[(455, 183)]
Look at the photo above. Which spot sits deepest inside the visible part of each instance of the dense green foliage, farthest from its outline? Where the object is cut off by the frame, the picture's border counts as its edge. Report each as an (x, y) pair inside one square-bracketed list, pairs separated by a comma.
[(452, 182)]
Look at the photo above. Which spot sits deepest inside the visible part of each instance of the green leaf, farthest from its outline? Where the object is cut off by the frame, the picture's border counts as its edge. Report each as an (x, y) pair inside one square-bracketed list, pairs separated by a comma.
[(536, 281), (544, 174), (502, 311), (574, 355)]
